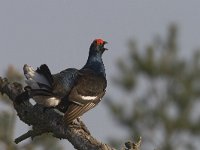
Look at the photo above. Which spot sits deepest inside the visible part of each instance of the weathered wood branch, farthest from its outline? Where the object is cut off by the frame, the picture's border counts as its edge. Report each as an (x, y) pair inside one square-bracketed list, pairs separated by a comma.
[(50, 122)]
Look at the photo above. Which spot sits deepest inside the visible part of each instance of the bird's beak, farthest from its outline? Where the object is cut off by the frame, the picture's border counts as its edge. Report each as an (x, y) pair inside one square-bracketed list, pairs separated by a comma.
[(104, 43)]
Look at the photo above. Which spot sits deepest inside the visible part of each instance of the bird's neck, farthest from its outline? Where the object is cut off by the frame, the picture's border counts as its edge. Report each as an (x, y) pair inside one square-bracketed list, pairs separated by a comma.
[(95, 63)]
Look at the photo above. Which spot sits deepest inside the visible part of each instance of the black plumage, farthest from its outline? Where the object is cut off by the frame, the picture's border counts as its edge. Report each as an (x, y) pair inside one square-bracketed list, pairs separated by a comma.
[(44, 69), (71, 91)]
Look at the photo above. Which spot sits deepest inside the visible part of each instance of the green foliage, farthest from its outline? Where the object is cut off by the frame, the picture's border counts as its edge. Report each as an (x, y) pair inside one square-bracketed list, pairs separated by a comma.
[(8, 124), (164, 92)]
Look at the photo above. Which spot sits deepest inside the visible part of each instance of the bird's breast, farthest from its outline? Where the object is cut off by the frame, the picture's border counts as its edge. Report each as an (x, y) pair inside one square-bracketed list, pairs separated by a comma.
[(92, 85)]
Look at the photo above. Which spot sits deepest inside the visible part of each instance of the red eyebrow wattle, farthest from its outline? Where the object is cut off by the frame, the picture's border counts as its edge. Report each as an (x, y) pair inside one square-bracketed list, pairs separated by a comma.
[(99, 41)]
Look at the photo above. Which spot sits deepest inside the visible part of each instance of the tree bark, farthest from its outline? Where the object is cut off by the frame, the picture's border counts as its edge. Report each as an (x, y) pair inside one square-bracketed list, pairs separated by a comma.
[(49, 121)]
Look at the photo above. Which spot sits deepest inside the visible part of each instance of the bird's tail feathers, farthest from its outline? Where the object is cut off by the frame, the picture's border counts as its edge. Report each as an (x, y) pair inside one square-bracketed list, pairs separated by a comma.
[(41, 96), (39, 83), (40, 78), (39, 92)]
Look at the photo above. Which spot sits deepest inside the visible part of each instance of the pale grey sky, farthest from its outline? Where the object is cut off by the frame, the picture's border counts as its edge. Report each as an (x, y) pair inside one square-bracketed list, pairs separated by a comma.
[(59, 34)]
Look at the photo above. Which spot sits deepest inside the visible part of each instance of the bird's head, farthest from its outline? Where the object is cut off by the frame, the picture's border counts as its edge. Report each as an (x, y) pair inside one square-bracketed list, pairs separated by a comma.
[(97, 46)]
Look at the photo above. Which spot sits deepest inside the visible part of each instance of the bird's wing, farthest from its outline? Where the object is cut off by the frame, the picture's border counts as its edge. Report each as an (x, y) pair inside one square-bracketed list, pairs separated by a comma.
[(76, 110), (88, 87), (86, 93)]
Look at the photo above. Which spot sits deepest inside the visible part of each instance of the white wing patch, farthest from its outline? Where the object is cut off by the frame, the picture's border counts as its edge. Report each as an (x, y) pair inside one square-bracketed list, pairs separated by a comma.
[(47, 101), (88, 98), (53, 101)]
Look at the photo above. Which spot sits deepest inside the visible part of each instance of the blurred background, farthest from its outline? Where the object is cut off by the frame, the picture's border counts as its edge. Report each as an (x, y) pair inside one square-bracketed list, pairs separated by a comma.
[(152, 66)]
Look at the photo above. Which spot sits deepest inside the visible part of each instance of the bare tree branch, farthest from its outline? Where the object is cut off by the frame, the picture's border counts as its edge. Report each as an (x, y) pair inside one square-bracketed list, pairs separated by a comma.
[(49, 122), (30, 133)]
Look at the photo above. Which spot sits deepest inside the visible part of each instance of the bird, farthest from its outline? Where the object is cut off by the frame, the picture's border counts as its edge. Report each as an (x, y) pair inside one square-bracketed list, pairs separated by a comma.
[(71, 91)]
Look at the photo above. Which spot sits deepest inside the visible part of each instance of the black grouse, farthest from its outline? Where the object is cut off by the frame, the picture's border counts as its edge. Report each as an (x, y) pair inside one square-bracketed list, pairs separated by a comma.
[(71, 91)]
